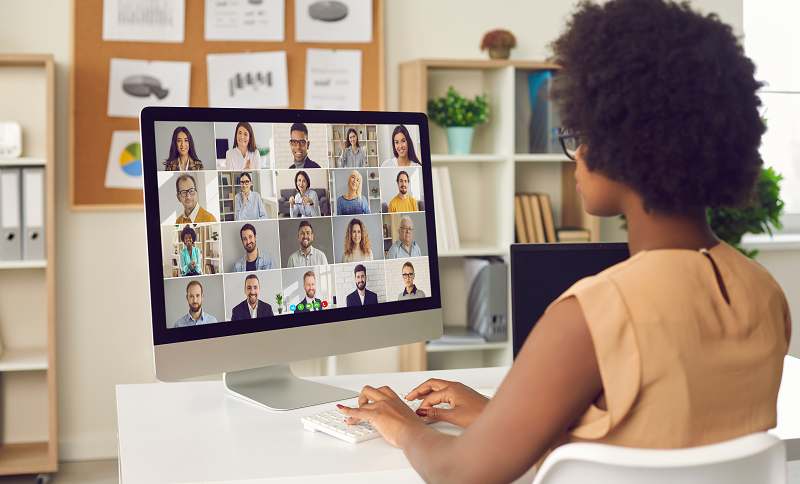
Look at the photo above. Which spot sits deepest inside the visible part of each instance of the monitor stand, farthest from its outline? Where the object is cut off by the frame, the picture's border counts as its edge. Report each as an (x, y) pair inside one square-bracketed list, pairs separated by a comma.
[(276, 388)]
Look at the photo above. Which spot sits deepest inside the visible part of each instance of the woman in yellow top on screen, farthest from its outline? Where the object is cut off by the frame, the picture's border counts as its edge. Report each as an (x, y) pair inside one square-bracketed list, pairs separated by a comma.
[(356, 242), (182, 156), (402, 148), (244, 154), (679, 346)]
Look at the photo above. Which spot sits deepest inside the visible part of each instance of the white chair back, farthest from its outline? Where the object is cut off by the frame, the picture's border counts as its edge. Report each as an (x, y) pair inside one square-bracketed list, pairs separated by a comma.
[(755, 458)]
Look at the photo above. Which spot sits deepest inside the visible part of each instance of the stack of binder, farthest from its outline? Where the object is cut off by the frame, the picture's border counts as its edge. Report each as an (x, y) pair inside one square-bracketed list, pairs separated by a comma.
[(22, 232), (444, 210)]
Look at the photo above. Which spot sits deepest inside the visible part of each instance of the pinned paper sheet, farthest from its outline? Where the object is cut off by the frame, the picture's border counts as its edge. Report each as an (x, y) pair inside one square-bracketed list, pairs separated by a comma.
[(134, 84), (333, 79), (144, 20), (250, 80), (261, 20), (333, 21), (124, 168)]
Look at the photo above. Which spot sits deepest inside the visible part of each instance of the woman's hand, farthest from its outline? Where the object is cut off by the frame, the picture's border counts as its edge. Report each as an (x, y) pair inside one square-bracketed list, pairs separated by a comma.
[(307, 201), (465, 403), (248, 166), (291, 202), (341, 143), (385, 411)]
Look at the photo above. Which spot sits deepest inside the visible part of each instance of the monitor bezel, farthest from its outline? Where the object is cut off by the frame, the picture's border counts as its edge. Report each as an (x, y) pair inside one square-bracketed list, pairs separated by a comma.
[(162, 335)]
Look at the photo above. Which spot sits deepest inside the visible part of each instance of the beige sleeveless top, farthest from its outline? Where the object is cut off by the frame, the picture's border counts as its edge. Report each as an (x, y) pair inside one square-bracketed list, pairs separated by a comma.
[(681, 366)]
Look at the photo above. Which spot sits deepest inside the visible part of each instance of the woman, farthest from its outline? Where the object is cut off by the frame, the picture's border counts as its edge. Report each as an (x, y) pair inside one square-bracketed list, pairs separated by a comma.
[(182, 156), (353, 203), (305, 202), (682, 344), (356, 242), (248, 203), (190, 260), (355, 156), (402, 148), (244, 155)]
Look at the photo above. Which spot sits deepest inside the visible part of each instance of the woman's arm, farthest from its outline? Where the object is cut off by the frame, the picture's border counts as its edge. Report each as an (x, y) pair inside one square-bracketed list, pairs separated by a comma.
[(313, 211), (237, 211), (262, 212), (183, 262), (365, 204), (552, 382), (198, 259)]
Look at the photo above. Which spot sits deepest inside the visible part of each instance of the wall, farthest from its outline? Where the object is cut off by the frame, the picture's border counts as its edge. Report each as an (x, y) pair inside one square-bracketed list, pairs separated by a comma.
[(103, 326)]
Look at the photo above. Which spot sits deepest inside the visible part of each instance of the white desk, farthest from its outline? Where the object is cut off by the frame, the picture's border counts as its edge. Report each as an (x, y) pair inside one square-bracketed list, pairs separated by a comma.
[(195, 432)]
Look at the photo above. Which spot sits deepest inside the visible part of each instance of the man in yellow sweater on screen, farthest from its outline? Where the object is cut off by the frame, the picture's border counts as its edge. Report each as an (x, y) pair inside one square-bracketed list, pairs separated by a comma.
[(187, 195), (403, 202)]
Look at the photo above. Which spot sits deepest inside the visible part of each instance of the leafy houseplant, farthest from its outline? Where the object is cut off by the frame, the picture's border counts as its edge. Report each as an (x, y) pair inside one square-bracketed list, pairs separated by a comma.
[(263, 151), (279, 300), (214, 235), (374, 191), (498, 43), (458, 116)]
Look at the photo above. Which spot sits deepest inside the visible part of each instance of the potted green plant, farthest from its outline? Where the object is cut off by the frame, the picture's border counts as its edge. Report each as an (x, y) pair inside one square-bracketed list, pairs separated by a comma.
[(279, 300), (458, 116), (374, 191), (263, 151), (214, 235), (499, 43)]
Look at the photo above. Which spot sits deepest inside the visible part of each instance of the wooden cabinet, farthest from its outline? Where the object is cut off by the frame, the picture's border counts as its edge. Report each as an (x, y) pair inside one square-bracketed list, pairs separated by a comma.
[(29, 443), (484, 184)]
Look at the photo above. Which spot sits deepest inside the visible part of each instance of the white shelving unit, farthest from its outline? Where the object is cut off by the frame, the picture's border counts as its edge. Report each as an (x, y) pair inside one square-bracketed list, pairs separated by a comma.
[(29, 428), (498, 168)]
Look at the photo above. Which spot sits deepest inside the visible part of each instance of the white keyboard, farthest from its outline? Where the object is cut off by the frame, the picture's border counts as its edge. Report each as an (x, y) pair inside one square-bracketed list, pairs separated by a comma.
[(332, 421)]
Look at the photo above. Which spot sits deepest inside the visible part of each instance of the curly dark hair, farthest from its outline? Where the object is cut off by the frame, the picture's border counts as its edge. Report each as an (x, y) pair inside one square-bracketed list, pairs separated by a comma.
[(190, 232), (665, 102)]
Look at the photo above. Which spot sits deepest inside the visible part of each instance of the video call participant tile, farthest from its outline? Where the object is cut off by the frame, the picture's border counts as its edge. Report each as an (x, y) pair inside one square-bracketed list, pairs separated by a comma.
[(303, 193), (357, 238), (185, 146), (305, 242), (409, 235), (193, 301), (252, 293), (300, 145), (242, 145), (250, 246), (408, 278), (190, 249), (308, 289), (360, 284), (401, 189), (348, 184), (189, 197)]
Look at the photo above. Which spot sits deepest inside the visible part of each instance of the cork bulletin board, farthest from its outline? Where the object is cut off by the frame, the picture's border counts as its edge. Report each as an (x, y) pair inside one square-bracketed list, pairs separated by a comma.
[(91, 129)]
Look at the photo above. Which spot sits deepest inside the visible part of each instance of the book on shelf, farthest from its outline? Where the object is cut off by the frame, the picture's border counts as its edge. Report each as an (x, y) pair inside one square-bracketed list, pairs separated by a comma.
[(573, 234), (528, 215), (445, 209), (519, 221), (538, 225), (547, 217)]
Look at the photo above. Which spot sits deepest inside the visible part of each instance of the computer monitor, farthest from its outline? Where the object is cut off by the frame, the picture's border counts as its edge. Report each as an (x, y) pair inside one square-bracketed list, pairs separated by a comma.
[(542, 272), (350, 252)]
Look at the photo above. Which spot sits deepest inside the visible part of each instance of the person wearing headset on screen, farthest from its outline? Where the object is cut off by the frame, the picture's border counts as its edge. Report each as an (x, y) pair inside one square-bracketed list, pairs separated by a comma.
[(196, 316), (190, 255), (411, 291), (403, 202), (186, 189), (353, 203), (252, 307), (356, 242), (305, 202), (309, 303), (405, 246), (254, 258), (244, 155), (681, 345), (354, 157), (182, 156), (249, 205), (299, 144), (361, 296), (402, 148)]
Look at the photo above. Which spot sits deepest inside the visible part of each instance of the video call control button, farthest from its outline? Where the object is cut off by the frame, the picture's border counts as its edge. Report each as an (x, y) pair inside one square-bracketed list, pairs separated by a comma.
[(316, 305), (301, 307), (324, 304), (292, 308)]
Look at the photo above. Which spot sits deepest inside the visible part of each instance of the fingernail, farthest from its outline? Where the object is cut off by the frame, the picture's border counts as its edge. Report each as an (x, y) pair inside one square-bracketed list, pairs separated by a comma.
[(422, 412), (339, 406)]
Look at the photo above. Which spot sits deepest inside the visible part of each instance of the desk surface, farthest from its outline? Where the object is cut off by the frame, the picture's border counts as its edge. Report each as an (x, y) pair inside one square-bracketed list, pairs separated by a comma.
[(196, 432)]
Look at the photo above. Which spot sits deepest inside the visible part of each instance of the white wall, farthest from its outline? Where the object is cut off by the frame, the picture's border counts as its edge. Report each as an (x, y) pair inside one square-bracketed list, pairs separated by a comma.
[(103, 327)]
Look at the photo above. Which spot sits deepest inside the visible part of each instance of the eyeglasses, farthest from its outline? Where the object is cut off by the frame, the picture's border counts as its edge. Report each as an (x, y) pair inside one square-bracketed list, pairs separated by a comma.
[(407, 229), (244, 182), (408, 275), (570, 141), (186, 193), (295, 142)]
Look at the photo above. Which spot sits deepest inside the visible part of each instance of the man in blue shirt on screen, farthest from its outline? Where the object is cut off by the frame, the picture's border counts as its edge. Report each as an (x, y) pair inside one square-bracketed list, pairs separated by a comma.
[(196, 316), (254, 259), (405, 245)]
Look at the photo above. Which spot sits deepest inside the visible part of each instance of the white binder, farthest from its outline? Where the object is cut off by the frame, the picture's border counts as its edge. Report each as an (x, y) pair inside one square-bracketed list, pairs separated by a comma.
[(10, 214), (33, 233)]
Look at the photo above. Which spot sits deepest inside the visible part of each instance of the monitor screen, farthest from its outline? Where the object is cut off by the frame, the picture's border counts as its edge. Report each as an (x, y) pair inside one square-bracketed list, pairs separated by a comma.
[(307, 218), (542, 272)]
